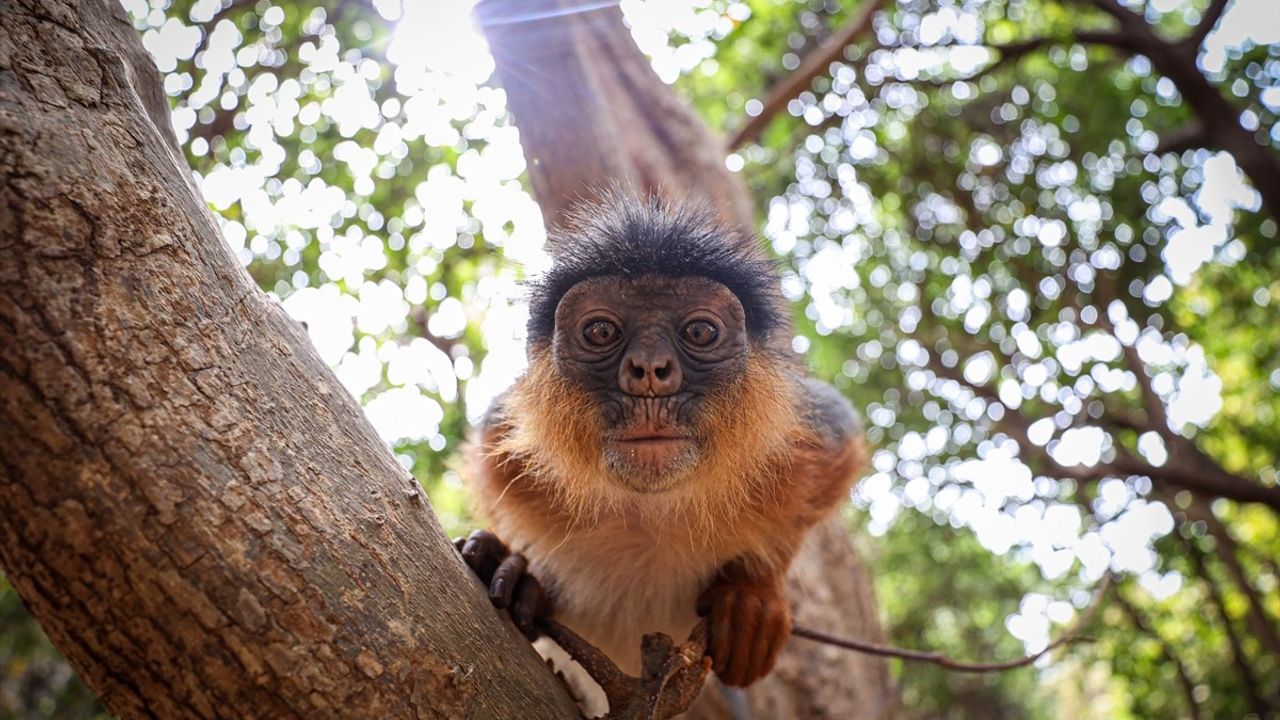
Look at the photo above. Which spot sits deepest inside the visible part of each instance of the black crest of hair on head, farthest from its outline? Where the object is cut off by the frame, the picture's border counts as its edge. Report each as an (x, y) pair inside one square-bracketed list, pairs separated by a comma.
[(626, 236)]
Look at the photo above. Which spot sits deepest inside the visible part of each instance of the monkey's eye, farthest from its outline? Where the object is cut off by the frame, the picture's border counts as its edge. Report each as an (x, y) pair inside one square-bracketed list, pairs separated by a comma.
[(700, 333), (600, 333)]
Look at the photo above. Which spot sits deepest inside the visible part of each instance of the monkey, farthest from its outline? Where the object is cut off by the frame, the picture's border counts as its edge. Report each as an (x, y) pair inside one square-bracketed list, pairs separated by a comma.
[(664, 454)]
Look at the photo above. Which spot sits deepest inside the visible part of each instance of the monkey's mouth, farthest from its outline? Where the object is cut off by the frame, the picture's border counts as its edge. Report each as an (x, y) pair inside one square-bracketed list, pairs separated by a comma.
[(650, 440), (648, 459), (650, 436)]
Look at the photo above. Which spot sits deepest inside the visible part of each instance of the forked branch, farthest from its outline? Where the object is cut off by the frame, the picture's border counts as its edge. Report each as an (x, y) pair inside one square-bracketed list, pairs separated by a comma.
[(671, 675)]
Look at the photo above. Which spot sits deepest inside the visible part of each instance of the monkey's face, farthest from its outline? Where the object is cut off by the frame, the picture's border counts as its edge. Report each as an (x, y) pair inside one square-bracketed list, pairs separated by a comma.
[(651, 350)]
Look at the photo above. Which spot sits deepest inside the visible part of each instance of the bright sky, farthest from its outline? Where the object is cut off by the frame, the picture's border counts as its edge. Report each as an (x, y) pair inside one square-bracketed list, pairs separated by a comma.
[(442, 66)]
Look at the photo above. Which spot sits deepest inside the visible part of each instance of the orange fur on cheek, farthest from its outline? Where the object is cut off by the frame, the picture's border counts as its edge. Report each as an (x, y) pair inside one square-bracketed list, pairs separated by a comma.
[(746, 427), (558, 436)]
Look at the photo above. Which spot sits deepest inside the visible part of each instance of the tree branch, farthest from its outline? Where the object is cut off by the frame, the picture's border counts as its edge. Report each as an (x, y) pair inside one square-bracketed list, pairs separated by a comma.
[(1005, 54), (1212, 15), (1238, 657), (1184, 677), (1157, 415), (1227, 550), (1188, 137), (1016, 424), (181, 475), (1220, 117), (814, 64), (1188, 469), (1133, 26), (671, 675), (935, 658), (1014, 51), (1202, 477)]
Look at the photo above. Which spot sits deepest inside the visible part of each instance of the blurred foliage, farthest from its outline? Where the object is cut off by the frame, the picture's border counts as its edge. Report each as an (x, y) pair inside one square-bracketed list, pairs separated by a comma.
[(35, 682), (989, 261)]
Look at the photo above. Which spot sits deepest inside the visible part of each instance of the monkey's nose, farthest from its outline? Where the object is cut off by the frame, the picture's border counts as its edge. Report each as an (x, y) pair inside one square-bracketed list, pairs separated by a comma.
[(650, 374)]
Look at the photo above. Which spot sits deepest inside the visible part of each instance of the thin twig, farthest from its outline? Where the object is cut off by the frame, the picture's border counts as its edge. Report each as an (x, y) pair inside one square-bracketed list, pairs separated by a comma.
[(1014, 51), (1070, 636)]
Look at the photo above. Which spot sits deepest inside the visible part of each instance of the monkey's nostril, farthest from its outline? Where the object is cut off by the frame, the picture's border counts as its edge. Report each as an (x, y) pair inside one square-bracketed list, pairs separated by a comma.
[(662, 371), (637, 372)]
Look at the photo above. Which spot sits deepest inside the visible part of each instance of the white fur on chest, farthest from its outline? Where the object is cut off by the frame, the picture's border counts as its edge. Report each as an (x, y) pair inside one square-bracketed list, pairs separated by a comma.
[(621, 578)]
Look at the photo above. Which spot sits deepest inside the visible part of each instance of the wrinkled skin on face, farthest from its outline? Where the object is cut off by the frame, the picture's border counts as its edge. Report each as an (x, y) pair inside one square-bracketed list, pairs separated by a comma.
[(651, 350)]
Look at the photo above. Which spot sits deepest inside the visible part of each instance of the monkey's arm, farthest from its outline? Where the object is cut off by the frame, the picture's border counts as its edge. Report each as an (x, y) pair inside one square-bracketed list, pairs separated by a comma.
[(750, 621), (749, 613), (503, 572), (835, 453)]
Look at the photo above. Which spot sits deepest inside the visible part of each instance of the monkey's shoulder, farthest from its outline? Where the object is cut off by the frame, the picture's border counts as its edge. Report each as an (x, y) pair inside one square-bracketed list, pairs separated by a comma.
[(497, 419), (828, 414), (827, 461)]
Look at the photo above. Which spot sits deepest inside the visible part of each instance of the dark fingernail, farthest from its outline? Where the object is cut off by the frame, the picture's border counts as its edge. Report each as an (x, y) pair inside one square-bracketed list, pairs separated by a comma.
[(469, 548), (499, 586)]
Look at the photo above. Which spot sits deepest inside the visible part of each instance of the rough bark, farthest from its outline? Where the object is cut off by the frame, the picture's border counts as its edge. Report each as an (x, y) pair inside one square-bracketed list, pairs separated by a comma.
[(591, 111), (190, 504)]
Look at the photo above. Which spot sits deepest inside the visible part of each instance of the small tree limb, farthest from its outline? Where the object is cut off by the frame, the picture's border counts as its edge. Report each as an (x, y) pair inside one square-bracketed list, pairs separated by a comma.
[(1227, 549), (814, 64), (1188, 137), (1014, 51), (1176, 60), (1070, 636)]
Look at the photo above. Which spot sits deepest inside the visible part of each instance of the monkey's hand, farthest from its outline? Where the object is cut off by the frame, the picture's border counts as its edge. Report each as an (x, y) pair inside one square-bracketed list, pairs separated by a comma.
[(504, 574), (750, 622)]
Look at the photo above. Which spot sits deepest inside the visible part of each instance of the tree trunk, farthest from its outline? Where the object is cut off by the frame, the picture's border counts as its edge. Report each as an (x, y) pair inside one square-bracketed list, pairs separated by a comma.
[(191, 505), (591, 112)]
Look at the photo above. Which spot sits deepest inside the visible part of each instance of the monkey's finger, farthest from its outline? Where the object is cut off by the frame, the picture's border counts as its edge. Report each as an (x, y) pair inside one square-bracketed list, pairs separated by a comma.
[(483, 551), (505, 579), (458, 542), (749, 613), (530, 601), (722, 632), (775, 631)]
